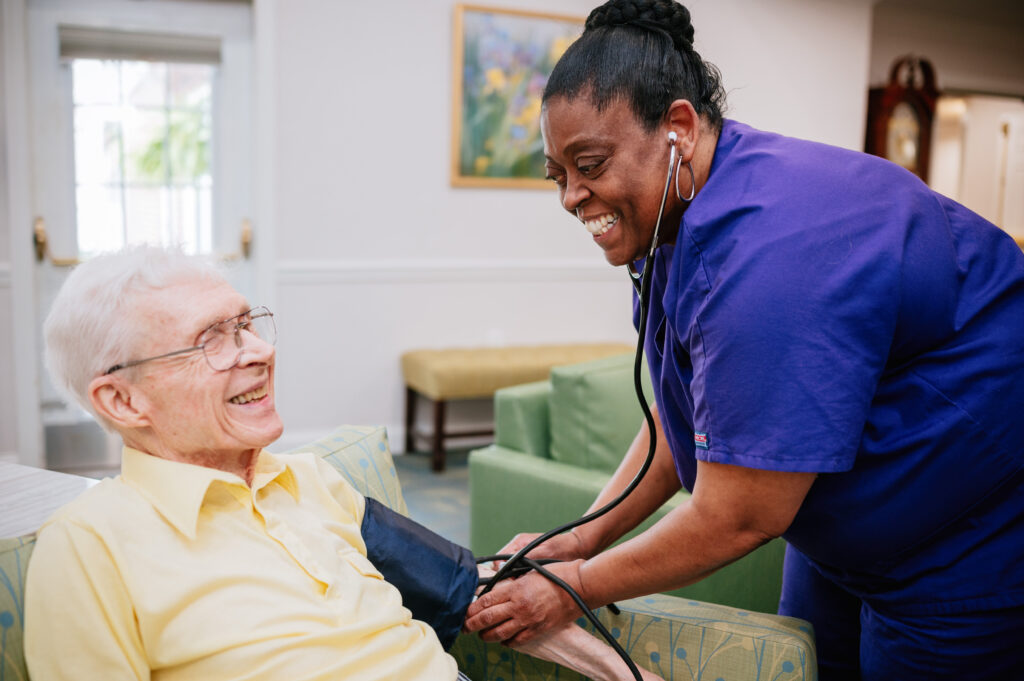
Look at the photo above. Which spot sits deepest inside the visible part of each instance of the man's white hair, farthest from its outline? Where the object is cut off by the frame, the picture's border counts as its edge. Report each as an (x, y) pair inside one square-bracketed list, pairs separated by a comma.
[(90, 327)]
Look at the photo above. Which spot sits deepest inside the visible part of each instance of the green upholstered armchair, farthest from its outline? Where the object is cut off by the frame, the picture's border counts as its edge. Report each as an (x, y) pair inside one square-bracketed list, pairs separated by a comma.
[(557, 442), (680, 639)]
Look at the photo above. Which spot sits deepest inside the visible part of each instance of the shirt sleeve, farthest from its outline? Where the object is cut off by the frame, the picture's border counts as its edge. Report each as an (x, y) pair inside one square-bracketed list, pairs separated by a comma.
[(79, 620), (788, 349)]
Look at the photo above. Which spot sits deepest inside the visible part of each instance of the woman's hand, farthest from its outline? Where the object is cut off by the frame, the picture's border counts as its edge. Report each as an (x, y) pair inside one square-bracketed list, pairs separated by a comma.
[(516, 611), (565, 546)]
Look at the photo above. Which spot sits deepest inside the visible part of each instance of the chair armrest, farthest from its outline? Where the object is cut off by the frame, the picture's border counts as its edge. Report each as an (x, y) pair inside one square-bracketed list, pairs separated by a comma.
[(521, 419), (675, 638), (513, 492)]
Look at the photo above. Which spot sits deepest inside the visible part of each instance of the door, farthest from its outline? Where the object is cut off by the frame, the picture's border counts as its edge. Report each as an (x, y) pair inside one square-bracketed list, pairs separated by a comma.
[(140, 133)]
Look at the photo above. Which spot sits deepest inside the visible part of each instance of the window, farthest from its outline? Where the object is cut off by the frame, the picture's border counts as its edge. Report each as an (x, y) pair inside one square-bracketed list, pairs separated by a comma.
[(142, 146)]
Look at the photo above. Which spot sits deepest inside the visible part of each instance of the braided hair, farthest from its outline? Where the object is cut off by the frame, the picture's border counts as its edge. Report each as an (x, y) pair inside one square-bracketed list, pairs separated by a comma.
[(640, 51)]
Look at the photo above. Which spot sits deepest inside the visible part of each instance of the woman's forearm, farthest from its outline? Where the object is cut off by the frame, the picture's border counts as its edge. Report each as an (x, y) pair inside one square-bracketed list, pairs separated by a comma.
[(732, 512), (660, 483)]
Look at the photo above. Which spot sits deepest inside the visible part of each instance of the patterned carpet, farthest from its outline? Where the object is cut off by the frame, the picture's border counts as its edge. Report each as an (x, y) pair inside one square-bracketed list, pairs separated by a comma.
[(438, 500)]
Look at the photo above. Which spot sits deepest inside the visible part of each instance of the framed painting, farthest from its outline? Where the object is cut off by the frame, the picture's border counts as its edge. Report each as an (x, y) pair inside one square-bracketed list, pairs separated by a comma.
[(502, 60)]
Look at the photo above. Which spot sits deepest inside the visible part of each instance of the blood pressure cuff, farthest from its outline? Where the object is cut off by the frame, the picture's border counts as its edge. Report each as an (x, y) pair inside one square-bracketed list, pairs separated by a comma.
[(436, 578)]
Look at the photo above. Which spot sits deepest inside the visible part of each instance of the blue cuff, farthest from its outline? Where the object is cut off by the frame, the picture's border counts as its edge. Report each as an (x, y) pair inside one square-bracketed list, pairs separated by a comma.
[(436, 578)]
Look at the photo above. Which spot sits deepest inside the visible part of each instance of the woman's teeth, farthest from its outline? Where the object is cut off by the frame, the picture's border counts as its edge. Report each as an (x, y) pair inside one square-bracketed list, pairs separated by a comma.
[(599, 226), (250, 396)]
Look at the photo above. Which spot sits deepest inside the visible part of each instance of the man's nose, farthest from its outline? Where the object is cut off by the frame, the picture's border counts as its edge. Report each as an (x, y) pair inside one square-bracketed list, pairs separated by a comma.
[(255, 350)]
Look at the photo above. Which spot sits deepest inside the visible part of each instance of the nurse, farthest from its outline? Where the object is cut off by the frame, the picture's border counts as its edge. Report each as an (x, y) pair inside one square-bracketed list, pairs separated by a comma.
[(837, 355)]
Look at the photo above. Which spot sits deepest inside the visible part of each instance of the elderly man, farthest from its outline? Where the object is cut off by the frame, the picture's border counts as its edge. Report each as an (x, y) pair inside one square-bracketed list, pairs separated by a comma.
[(208, 557)]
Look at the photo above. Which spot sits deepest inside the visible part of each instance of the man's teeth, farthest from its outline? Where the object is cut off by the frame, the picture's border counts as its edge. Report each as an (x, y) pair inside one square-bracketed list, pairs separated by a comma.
[(249, 396), (599, 226)]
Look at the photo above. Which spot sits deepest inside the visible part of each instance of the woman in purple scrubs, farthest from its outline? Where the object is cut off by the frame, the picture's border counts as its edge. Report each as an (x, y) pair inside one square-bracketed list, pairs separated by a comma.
[(837, 355)]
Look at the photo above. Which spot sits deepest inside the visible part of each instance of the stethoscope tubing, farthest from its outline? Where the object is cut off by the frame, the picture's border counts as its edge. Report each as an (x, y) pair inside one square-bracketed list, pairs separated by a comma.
[(518, 563)]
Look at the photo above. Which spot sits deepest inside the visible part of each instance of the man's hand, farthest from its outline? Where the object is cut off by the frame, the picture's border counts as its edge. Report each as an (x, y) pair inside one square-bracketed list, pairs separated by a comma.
[(572, 647), (518, 610)]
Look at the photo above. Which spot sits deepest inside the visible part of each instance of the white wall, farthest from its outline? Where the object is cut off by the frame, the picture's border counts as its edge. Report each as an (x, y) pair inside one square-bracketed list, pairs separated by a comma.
[(974, 46), (374, 253)]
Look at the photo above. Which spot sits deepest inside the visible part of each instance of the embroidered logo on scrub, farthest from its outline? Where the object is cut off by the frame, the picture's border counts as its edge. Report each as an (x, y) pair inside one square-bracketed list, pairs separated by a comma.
[(700, 440)]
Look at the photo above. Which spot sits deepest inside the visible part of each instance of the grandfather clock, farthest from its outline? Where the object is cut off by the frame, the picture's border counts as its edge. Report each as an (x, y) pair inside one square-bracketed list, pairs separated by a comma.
[(900, 114)]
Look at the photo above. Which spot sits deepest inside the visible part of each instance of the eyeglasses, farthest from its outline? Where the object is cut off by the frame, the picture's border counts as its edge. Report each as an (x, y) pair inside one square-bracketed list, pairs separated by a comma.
[(221, 343)]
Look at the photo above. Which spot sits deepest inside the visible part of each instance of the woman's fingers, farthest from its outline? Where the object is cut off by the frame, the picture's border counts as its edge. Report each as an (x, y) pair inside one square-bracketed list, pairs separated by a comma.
[(523, 608)]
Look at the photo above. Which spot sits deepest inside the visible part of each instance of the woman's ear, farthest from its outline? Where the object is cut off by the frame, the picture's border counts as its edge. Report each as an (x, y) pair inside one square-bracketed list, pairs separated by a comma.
[(682, 119), (115, 399)]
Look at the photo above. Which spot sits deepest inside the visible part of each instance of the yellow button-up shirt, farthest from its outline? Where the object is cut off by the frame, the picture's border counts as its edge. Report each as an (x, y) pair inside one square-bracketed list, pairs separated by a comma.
[(176, 572)]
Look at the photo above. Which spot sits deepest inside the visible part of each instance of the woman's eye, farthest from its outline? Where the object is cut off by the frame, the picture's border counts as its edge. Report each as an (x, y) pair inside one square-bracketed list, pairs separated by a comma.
[(557, 179), (589, 167)]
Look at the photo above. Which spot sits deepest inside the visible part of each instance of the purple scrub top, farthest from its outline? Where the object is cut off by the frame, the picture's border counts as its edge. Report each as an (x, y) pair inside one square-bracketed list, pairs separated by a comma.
[(824, 311)]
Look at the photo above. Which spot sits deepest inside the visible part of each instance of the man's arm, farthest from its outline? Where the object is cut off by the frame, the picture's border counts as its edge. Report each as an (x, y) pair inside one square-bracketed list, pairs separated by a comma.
[(572, 647), (79, 621)]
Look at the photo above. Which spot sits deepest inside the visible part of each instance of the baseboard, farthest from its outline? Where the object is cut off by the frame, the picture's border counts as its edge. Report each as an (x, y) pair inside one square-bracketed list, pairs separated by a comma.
[(292, 439), (8, 457)]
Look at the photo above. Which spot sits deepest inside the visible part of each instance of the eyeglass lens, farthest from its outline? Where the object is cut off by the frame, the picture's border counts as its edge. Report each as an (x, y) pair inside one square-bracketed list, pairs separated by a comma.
[(223, 342)]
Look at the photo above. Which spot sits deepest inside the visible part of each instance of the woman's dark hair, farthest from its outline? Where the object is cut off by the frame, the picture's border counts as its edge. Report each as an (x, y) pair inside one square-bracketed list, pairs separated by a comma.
[(640, 51)]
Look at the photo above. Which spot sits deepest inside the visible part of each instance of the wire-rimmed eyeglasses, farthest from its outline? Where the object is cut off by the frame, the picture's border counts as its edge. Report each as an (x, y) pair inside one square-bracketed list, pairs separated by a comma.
[(221, 343)]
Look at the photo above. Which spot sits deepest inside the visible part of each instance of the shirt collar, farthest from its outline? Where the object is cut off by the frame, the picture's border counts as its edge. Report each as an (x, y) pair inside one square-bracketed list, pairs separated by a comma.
[(177, 489)]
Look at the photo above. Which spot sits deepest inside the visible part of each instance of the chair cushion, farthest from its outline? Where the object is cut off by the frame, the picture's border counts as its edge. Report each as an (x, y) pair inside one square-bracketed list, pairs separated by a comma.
[(362, 455), (594, 413), (14, 555), (463, 373)]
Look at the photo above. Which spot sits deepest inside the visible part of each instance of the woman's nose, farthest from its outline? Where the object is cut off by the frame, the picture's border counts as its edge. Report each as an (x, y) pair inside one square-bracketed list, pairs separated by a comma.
[(574, 196)]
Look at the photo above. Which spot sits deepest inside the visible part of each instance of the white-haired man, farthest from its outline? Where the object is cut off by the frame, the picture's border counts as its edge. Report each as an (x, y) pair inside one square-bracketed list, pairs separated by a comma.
[(208, 557)]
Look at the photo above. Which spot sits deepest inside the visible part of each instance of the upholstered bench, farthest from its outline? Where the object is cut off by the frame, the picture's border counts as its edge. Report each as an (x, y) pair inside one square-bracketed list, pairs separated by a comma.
[(471, 373)]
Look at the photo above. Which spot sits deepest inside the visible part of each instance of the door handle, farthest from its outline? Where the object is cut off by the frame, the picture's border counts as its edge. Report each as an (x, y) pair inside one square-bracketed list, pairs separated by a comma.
[(42, 246)]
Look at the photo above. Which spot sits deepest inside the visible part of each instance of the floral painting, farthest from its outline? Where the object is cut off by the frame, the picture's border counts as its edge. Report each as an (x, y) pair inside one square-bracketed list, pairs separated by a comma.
[(502, 62)]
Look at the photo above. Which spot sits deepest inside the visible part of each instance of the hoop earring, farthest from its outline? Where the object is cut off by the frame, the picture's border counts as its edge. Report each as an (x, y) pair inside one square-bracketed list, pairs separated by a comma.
[(693, 181)]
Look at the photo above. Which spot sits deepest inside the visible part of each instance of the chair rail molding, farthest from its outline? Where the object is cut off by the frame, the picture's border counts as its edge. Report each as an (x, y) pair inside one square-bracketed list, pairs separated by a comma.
[(396, 271)]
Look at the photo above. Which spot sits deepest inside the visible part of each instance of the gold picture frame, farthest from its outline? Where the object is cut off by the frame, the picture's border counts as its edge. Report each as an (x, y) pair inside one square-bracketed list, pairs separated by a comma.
[(501, 61)]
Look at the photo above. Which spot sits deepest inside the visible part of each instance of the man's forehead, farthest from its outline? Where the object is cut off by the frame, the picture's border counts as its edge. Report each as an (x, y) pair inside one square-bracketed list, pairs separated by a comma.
[(196, 304)]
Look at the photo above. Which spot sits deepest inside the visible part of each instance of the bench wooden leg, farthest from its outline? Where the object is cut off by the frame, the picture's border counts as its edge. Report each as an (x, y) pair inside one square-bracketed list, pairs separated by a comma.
[(410, 418), (438, 449)]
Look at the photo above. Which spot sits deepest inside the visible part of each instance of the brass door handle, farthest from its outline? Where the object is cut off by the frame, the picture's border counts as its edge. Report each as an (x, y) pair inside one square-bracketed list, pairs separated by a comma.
[(42, 246), (245, 243)]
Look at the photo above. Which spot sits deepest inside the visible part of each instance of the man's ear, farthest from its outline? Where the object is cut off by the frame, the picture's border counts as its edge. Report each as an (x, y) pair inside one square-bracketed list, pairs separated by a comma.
[(118, 401), (684, 121)]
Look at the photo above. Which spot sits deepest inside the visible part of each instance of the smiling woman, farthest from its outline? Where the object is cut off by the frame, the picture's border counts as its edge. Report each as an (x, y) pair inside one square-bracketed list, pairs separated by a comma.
[(823, 365)]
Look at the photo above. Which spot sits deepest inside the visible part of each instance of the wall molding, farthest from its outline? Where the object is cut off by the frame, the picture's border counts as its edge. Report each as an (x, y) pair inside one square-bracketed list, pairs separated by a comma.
[(305, 272), (5, 275), (9, 457)]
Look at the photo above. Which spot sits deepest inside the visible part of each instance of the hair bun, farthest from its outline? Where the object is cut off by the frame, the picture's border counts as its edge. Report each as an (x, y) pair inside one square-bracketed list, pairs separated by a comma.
[(666, 15)]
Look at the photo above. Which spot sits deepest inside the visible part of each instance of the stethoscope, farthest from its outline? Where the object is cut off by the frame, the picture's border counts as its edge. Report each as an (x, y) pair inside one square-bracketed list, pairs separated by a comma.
[(518, 564)]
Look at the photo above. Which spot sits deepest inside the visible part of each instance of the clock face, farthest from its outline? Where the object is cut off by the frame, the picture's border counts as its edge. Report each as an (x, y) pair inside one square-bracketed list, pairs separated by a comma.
[(903, 136)]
